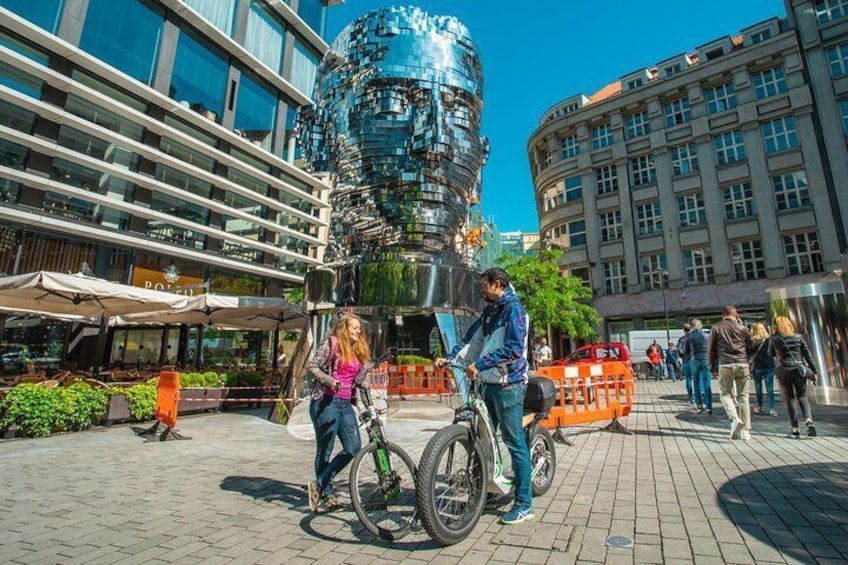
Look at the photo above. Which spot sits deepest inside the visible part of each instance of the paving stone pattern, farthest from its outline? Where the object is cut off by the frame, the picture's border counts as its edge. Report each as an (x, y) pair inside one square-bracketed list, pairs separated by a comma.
[(678, 487)]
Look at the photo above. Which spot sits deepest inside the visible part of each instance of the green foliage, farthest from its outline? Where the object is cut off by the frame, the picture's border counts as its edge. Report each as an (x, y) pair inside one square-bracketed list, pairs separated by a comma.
[(82, 405), (548, 296), (210, 379), (295, 295), (413, 360), (243, 378), (142, 400), (37, 411)]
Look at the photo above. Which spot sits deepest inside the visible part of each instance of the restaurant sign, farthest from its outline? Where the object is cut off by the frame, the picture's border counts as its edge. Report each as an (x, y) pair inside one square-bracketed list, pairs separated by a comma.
[(169, 279)]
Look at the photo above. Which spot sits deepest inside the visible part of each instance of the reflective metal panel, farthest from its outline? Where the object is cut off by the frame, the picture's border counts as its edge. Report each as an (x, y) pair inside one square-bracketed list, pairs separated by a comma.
[(820, 314), (396, 121)]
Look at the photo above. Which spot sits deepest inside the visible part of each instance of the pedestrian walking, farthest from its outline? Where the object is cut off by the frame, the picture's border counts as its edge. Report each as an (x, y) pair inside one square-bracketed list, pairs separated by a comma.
[(655, 360), (696, 346), (685, 365), (339, 364), (672, 362), (794, 366), (546, 355), (762, 368), (728, 356)]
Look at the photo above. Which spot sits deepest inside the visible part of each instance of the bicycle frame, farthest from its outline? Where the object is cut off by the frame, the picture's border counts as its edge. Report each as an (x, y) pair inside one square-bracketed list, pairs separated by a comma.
[(376, 429), (472, 412)]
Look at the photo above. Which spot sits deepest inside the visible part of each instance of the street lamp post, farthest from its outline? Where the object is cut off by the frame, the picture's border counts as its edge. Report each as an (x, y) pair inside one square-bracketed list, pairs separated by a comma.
[(664, 283)]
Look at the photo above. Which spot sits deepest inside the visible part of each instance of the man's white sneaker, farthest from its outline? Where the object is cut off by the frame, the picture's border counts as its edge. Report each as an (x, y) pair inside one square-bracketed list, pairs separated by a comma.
[(736, 428), (746, 435)]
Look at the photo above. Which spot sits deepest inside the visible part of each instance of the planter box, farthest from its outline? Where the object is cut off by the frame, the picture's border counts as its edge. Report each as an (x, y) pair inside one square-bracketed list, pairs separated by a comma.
[(117, 410), (233, 395), (199, 400)]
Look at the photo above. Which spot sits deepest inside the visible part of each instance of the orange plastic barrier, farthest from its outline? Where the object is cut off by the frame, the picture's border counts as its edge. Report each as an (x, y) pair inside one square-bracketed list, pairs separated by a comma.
[(168, 398), (417, 380), (589, 393), (167, 402)]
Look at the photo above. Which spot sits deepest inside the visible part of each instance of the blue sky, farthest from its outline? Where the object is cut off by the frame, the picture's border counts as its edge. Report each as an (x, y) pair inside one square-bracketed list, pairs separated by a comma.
[(536, 53)]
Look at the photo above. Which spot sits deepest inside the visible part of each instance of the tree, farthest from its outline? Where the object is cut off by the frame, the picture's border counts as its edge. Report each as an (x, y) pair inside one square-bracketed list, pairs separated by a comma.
[(548, 296)]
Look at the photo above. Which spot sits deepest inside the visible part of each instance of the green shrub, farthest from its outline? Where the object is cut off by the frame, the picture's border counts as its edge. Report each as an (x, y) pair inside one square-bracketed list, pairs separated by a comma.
[(212, 380), (189, 380), (413, 360), (82, 405), (38, 411), (142, 400)]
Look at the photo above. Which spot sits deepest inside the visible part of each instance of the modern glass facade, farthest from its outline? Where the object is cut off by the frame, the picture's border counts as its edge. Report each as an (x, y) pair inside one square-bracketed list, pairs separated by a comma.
[(168, 138)]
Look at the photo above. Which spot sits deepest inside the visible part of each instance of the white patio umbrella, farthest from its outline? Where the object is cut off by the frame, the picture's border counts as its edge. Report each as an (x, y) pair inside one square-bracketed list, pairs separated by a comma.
[(61, 294), (225, 312)]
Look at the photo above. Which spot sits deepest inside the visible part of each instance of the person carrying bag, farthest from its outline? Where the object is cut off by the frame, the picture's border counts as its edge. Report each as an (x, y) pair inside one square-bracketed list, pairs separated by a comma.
[(794, 368)]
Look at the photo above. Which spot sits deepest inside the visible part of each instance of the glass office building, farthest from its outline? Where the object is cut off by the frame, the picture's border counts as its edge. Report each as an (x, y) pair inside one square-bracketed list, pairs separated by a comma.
[(152, 140)]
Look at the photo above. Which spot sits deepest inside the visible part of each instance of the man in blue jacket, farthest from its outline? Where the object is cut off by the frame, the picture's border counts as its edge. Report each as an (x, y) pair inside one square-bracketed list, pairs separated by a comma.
[(696, 348), (498, 342)]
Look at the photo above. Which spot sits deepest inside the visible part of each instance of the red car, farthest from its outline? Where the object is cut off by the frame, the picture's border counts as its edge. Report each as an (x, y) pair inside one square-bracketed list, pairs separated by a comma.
[(597, 353)]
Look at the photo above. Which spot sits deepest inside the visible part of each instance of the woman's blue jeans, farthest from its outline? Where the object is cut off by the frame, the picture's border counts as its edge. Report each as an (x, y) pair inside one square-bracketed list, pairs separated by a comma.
[(506, 408), (333, 417), (764, 377), (687, 374)]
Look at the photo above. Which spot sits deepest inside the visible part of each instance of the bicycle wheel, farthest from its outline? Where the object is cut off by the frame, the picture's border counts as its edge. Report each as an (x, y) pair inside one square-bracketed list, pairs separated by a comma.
[(384, 502), (542, 461), (451, 485)]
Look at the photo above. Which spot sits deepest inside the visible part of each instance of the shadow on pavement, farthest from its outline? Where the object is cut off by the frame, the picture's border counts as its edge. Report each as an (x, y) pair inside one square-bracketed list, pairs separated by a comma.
[(269, 490), (322, 530), (801, 510)]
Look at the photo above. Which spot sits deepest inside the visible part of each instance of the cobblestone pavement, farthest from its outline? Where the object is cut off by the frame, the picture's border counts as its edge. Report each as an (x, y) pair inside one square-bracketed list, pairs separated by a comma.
[(678, 487)]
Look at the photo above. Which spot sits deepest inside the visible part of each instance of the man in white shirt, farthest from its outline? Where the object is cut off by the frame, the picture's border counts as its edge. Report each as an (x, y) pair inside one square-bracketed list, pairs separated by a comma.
[(545, 356)]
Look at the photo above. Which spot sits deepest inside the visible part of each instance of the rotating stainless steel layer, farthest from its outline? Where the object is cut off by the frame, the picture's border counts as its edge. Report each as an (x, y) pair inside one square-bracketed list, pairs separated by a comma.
[(396, 122)]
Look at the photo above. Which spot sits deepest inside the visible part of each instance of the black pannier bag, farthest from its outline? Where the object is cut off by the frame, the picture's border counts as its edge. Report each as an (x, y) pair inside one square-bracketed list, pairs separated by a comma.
[(541, 395)]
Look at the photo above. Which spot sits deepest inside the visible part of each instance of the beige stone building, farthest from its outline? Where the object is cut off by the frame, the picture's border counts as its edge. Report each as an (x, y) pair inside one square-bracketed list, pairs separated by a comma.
[(705, 178)]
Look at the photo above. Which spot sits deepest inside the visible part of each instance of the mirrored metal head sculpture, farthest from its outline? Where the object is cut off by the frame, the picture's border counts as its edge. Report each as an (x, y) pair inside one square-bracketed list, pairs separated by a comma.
[(396, 122)]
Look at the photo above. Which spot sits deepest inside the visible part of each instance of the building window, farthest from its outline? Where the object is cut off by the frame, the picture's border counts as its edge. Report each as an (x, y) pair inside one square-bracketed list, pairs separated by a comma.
[(649, 218), (638, 124), (838, 59), (570, 147), (606, 179), (46, 14), (184, 153), (803, 254), (610, 225), (124, 34), (684, 159), (677, 112), (739, 201), (13, 155), (748, 262), (220, 13), (729, 147), (615, 277), (554, 196), (654, 269), (602, 136), (576, 233), (20, 81), (780, 134), (791, 191), (672, 70), (691, 209), (760, 36), (698, 264), (829, 10), (721, 98), (643, 170), (543, 157), (573, 189), (769, 82), (314, 13), (266, 35), (304, 68), (843, 109), (199, 78), (635, 83), (256, 113), (16, 117)]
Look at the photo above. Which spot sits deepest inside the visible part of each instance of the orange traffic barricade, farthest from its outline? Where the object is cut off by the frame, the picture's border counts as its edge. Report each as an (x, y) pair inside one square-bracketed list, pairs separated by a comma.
[(418, 380), (167, 403), (590, 393)]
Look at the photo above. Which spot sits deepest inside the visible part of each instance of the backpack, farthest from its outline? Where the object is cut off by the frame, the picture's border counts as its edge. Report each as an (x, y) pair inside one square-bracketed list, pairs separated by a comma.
[(328, 367)]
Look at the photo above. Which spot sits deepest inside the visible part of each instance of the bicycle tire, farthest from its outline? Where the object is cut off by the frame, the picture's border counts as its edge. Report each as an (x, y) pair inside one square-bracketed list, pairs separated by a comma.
[(440, 493), (542, 446), (387, 517)]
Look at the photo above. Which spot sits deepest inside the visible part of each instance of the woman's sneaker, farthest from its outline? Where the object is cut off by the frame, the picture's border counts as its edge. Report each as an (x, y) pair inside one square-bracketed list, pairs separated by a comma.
[(811, 429), (517, 515), (332, 503), (314, 495)]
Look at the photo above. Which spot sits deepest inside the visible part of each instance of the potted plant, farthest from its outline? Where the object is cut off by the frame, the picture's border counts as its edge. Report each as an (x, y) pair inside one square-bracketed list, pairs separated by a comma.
[(200, 392)]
